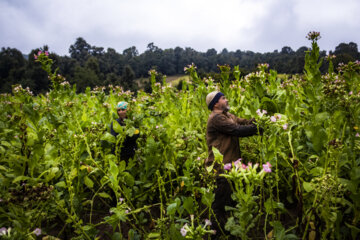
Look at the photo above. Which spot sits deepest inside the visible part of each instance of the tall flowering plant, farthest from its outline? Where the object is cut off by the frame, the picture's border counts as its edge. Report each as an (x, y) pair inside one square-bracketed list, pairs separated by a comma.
[(46, 64), (246, 180), (196, 232)]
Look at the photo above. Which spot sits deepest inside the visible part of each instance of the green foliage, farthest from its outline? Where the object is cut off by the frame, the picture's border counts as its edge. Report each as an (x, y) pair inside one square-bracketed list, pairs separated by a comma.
[(91, 66), (61, 172)]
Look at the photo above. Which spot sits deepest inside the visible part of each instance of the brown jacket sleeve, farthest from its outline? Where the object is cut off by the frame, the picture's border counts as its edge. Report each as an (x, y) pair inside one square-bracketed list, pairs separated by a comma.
[(243, 121), (227, 126)]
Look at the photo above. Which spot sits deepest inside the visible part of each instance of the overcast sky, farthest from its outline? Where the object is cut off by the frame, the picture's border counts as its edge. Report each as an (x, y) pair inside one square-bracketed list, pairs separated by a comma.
[(255, 25)]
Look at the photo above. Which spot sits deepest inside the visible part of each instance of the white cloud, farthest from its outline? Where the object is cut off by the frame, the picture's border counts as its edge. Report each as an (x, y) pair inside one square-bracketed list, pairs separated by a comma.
[(256, 25)]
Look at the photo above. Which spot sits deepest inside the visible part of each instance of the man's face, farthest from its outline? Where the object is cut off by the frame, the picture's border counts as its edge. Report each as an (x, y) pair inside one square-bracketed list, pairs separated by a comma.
[(223, 104), (121, 113)]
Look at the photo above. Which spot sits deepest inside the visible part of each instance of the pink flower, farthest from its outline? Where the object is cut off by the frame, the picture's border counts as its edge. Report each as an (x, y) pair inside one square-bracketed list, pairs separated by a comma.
[(207, 222), (39, 52), (278, 117), (267, 167), (357, 135), (227, 166), (46, 53), (37, 231), (285, 126), (350, 93), (183, 230), (273, 119), (261, 112), (237, 163), (121, 200), (198, 158), (3, 231), (35, 56), (157, 127)]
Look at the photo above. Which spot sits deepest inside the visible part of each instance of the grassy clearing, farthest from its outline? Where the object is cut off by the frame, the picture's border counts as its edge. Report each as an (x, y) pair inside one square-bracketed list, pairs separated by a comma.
[(173, 80)]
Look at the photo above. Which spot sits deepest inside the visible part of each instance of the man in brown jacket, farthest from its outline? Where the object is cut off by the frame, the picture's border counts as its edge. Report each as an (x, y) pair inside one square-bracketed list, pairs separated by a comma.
[(224, 129), (223, 132)]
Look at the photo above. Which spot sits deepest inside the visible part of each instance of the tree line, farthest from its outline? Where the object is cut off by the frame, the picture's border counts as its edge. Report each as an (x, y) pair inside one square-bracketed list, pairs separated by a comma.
[(90, 66)]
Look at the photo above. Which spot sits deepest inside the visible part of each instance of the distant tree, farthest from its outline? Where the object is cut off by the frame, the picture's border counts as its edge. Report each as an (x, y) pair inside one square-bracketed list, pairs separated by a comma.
[(127, 79), (93, 64), (66, 66), (112, 62), (90, 65), (97, 51), (345, 53), (286, 50), (350, 49), (179, 65), (12, 68), (210, 52), (85, 77), (152, 48), (167, 63), (80, 50), (35, 77), (113, 79), (130, 52)]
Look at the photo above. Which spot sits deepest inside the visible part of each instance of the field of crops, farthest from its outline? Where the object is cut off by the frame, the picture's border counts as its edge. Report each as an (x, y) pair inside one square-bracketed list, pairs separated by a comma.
[(61, 179)]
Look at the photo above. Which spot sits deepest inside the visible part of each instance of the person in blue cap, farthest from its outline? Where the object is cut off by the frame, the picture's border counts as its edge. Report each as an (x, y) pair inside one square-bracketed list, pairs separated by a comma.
[(129, 145)]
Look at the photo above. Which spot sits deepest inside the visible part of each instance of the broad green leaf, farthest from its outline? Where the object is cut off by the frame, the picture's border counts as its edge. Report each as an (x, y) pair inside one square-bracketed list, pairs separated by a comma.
[(218, 156), (51, 173), (247, 111), (321, 117), (114, 170), (84, 116), (319, 139), (268, 205), (61, 184), (279, 230), (88, 182), (170, 167), (189, 204), (308, 186), (31, 137), (6, 144), (207, 198), (104, 195), (116, 236), (171, 209), (73, 173), (129, 179), (117, 127), (2, 150), (210, 168), (108, 137), (154, 236), (122, 166), (131, 131), (317, 171), (20, 178)]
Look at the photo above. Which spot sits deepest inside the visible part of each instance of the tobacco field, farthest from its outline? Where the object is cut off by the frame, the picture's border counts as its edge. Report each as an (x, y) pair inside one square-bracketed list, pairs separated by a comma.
[(61, 179)]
